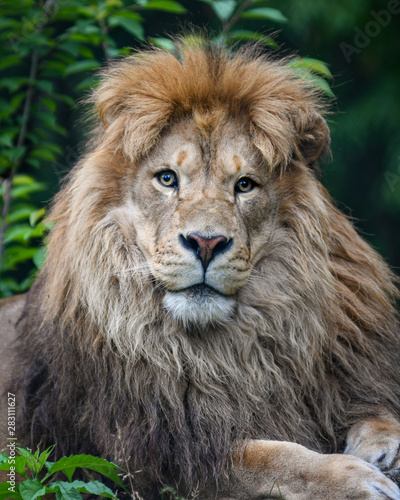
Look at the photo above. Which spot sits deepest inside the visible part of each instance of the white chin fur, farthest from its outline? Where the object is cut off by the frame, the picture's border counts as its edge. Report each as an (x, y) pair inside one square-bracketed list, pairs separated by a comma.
[(199, 308)]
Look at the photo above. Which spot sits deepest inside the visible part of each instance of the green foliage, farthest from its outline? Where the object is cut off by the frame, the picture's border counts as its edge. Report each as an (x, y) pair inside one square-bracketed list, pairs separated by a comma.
[(171, 492), (48, 55), (39, 476)]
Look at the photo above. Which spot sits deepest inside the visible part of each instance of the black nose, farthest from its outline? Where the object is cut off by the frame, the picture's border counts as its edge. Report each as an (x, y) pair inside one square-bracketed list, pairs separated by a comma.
[(206, 248)]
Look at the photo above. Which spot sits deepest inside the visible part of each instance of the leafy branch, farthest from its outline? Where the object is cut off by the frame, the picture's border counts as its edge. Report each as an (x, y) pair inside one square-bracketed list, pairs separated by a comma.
[(39, 475), (8, 182)]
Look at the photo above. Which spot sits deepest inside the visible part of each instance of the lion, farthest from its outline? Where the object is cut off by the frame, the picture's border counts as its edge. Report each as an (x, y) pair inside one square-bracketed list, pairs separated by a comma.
[(206, 317)]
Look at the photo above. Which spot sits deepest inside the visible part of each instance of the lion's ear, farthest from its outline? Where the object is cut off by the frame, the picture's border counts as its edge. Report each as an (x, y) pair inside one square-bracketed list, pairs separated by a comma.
[(313, 136)]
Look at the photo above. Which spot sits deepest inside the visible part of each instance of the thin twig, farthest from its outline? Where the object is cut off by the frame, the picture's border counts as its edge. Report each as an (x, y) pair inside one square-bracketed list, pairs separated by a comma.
[(8, 183), (104, 31), (228, 25)]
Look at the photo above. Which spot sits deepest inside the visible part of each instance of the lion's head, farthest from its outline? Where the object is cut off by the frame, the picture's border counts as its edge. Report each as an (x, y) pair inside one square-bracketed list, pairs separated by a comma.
[(201, 271), (186, 173), (203, 211)]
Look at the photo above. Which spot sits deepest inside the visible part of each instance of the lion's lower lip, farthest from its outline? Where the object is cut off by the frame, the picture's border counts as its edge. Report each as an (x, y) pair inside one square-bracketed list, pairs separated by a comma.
[(200, 290)]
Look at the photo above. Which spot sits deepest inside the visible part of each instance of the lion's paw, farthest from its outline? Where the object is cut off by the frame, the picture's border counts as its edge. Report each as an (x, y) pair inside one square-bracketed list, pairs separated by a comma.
[(394, 475), (384, 453), (349, 477), (377, 441), (276, 470)]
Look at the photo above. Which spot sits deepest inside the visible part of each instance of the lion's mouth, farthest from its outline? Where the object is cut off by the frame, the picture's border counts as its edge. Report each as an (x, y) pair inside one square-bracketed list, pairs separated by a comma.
[(200, 291), (199, 305)]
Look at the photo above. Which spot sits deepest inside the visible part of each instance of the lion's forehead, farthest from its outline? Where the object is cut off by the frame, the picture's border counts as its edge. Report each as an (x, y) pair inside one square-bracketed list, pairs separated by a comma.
[(195, 152)]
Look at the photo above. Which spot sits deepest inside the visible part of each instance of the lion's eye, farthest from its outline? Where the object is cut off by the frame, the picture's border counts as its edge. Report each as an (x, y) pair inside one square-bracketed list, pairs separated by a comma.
[(244, 185), (167, 178)]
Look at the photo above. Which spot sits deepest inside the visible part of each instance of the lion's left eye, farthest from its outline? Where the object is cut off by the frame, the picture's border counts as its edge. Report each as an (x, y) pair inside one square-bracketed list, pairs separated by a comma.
[(244, 185), (167, 178)]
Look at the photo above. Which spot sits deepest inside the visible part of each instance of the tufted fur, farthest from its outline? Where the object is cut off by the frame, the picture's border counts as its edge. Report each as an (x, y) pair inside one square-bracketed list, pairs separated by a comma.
[(313, 343)]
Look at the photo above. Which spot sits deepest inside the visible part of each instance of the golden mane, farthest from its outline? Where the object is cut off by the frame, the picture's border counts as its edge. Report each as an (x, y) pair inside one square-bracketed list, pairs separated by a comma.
[(318, 312)]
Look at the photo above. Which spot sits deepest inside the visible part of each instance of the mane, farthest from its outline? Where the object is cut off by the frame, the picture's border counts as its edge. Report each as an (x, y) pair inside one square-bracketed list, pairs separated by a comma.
[(318, 312)]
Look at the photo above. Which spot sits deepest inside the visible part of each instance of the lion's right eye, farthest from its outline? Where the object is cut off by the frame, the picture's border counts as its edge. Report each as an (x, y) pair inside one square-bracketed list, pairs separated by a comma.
[(167, 178)]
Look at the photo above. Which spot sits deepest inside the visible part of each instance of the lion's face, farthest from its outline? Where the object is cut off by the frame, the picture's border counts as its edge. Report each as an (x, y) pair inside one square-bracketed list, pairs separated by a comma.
[(203, 210)]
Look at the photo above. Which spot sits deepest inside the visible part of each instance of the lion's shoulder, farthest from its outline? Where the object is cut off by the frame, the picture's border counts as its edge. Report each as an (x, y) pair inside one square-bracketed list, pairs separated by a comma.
[(10, 311)]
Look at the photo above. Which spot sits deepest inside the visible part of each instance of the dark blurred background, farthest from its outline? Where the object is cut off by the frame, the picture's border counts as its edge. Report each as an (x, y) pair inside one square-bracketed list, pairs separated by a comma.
[(50, 50)]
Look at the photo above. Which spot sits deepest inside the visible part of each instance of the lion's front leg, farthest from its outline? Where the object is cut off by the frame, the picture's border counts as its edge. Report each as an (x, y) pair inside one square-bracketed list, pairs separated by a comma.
[(377, 441), (276, 470)]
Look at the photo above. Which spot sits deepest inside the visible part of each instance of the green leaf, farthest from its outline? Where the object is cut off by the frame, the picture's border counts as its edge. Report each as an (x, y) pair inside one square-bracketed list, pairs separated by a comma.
[(16, 233), (169, 489), (166, 6), (67, 493), (31, 460), (313, 64), (92, 39), (47, 464), (35, 216), (8, 287), (68, 465), (6, 140), (128, 21), (18, 462), (247, 35), (50, 104), (31, 489), (14, 154), (92, 487), (6, 493), (36, 232), (86, 52), (52, 147), (38, 260), (314, 80), (13, 83), (8, 22), (163, 43), (45, 85), (64, 98), (224, 8), (6, 107), (322, 85), (127, 14), (23, 192), (47, 118), (17, 100), (265, 13), (8, 61), (70, 47), (22, 180), (27, 282), (15, 255), (34, 162), (53, 69), (42, 458), (60, 130), (81, 66), (43, 154), (85, 84), (19, 214)]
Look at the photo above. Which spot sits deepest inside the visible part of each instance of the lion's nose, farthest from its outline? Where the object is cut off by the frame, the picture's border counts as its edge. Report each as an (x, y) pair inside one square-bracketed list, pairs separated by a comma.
[(206, 248)]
